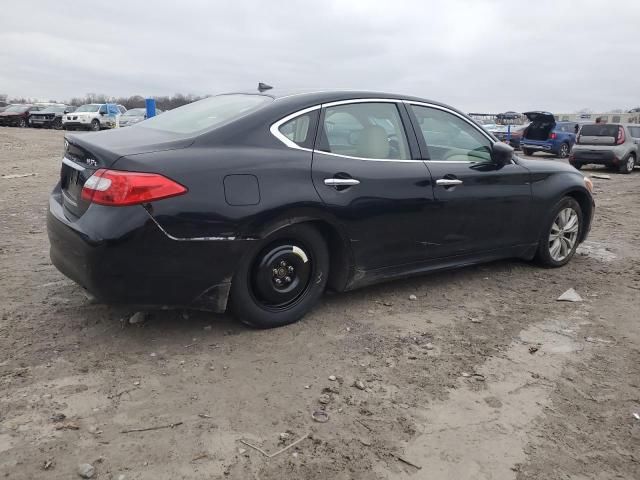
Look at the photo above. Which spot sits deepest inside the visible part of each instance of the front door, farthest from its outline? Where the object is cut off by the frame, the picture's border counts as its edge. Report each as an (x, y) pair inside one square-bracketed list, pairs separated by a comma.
[(367, 171), (479, 207)]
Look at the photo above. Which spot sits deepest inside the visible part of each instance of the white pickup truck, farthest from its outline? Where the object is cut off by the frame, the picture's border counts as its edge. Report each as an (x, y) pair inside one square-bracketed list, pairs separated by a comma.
[(92, 116)]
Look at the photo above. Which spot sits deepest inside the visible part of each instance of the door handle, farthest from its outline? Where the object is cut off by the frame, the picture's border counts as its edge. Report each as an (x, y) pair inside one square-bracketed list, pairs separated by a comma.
[(448, 182), (341, 182)]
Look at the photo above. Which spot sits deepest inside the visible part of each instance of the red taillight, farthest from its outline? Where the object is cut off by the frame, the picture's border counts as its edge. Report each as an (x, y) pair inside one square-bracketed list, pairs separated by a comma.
[(621, 137), (118, 188), (553, 136)]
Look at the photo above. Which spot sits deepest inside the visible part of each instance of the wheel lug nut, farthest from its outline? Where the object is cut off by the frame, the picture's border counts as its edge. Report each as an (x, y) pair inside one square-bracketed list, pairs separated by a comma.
[(290, 269), (275, 271), (278, 281), (283, 263), (287, 279)]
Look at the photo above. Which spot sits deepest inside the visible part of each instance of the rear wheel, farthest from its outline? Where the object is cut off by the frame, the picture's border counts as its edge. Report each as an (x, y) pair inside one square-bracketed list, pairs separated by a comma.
[(559, 238), (527, 151), (95, 125), (282, 279), (563, 151), (629, 165), (22, 123)]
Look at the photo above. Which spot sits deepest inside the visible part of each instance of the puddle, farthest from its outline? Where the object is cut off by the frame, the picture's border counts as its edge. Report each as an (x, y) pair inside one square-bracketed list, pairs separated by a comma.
[(597, 251), (481, 430)]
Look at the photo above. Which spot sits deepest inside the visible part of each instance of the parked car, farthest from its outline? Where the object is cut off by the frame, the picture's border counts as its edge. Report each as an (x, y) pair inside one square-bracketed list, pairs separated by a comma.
[(267, 200), (135, 115), (611, 144), (17, 115), (514, 137), (93, 116), (50, 116), (544, 134)]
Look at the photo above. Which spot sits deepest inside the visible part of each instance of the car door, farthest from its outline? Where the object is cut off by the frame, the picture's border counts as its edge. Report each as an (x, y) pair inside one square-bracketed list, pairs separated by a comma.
[(367, 172), (480, 206)]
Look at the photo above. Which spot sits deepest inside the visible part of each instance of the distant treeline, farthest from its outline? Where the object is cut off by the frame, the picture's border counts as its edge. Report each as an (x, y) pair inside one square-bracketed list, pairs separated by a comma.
[(135, 101)]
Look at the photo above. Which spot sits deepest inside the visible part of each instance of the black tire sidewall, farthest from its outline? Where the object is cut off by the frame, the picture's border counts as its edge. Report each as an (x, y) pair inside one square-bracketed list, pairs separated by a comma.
[(247, 309), (543, 255), (528, 152)]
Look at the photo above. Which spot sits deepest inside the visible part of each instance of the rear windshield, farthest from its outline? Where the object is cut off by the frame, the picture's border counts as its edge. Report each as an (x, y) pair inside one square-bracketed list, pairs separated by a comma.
[(599, 130), (634, 131), (206, 114)]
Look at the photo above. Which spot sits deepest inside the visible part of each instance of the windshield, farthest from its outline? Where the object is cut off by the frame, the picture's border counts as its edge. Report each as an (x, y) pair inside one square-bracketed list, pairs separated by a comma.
[(599, 130), (92, 107), (206, 114), (17, 108), (135, 112)]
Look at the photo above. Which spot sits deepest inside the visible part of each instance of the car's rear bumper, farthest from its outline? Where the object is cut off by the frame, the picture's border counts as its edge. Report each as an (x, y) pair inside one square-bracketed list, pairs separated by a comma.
[(599, 157), (120, 255), (543, 147)]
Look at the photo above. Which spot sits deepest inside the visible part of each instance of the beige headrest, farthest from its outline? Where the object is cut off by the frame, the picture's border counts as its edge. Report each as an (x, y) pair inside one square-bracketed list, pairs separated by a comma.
[(373, 142)]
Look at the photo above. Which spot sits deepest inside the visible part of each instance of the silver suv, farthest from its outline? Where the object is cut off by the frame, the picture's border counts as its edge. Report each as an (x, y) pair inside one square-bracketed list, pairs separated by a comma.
[(610, 144)]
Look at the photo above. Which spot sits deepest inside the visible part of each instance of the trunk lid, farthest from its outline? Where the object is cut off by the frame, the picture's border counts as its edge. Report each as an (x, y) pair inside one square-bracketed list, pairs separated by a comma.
[(537, 117), (85, 154)]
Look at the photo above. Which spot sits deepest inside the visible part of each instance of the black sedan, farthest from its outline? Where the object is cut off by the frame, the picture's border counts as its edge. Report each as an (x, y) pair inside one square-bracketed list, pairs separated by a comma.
[(266, 200)]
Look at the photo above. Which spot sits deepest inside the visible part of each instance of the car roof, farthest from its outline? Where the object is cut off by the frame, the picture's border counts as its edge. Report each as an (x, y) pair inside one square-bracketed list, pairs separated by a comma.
[(299, 99)]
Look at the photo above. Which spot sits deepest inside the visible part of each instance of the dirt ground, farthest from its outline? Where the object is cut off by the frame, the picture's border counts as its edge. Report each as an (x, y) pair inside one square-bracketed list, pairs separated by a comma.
[(484, 376)]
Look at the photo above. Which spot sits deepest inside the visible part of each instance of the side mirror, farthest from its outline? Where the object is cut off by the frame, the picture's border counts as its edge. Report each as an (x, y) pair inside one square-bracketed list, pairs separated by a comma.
[(501, 154)]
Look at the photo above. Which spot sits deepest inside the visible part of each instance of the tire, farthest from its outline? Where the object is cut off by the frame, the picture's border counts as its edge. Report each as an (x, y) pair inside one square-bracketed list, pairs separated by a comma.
[(527, 151), (22, 123), (57, 124), (629, 164), (274, 285), (564, 150), (577, 165), (548, 254), (95, 125)]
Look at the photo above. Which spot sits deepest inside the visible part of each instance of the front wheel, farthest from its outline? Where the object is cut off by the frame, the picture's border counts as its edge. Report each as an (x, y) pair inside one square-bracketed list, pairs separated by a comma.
[(560, 235), (281, 279), (576, 165), (629, 165), (95, 125), (22, 123), (57, 124)]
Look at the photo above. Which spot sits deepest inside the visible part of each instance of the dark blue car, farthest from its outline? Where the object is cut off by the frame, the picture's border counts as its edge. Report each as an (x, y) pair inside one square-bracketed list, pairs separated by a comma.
[(544, 134)]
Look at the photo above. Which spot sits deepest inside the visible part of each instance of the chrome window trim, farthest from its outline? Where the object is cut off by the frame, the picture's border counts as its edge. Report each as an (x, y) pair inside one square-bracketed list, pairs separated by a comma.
[(72, 164), (275, 128)]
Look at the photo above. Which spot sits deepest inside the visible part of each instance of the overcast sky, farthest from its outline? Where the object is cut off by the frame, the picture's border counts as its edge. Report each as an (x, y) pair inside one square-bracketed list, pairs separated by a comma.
[(478, 55)]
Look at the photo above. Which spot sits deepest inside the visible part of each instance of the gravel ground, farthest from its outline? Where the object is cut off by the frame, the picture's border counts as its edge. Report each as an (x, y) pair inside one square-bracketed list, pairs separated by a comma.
[(483, 376)]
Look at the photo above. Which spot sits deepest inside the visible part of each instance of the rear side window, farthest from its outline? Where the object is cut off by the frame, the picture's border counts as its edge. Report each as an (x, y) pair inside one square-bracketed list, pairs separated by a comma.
[(599, 130), (206, 114), (634, 131), (364, 130), (301, 129)]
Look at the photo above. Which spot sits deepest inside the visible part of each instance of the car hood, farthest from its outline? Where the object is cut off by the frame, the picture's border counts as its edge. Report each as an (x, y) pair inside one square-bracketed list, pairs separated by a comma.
[(540, 116), (109, 145), (10, 114)]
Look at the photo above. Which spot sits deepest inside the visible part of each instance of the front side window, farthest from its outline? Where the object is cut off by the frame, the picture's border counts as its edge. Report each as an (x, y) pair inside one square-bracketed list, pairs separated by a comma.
[(450, 138), (364, 130)]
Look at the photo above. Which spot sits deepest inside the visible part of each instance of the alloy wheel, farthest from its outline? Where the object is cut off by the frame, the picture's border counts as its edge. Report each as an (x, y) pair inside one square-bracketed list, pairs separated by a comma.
[(564, 150), (631, 163), (564, 234), (281, 275)]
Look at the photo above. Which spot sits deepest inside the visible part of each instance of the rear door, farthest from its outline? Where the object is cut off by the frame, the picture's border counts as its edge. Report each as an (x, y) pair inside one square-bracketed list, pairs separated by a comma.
[(480, 207), (367, 171)]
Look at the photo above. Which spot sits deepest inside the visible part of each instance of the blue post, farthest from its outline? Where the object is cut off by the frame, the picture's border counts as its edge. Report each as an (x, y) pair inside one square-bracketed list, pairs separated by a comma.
[(508, 133), (150, 103)]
